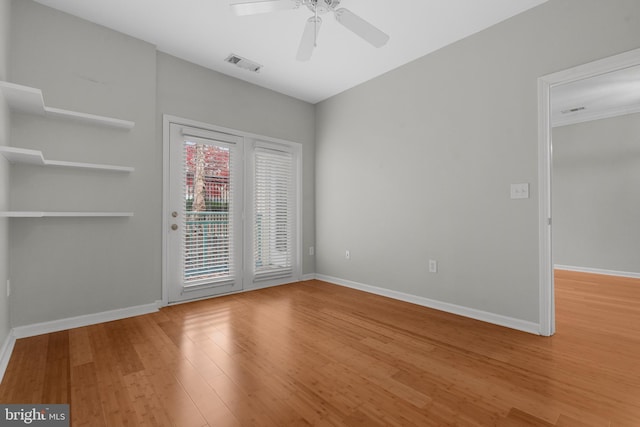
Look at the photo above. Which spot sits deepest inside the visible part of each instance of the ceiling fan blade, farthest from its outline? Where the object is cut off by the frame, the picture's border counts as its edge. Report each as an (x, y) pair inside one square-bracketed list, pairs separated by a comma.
[(244, 7), (361, 27), (309, 36)]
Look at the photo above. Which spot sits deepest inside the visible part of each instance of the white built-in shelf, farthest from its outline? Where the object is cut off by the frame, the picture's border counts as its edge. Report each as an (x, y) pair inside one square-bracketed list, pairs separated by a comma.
[(35, 157), (36, 214), (30, 100)]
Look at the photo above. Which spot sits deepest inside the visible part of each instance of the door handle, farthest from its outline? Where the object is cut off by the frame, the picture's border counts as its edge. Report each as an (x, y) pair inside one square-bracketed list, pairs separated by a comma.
[(174, 214), (174, 226)]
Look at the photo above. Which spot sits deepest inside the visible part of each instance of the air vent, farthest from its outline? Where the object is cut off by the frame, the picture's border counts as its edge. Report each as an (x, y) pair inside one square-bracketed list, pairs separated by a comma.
[(573, 110), (243, 63)]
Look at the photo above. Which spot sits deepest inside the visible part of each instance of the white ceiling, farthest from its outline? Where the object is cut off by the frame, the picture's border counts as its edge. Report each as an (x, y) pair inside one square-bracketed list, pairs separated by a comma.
[(205, 32), (607, 95)]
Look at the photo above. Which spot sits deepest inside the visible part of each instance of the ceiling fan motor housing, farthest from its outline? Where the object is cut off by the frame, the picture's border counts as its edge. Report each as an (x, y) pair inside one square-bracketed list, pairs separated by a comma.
[(321, 6)]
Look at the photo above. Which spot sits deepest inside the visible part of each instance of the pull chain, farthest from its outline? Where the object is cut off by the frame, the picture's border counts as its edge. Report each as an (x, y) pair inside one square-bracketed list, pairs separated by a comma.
[(315, 26)]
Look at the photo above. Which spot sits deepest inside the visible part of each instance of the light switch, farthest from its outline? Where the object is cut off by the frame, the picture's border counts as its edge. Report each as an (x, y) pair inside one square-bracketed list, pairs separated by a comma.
[(520, 191)]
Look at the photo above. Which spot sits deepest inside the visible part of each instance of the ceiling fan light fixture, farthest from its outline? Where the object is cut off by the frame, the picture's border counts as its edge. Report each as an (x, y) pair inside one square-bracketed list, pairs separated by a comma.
[(348, 19), (321, 6)]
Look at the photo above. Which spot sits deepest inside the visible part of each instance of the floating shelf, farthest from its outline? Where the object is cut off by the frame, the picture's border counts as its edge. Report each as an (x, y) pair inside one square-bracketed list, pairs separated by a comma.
[(34, 157), (35, 214), (30, 100)]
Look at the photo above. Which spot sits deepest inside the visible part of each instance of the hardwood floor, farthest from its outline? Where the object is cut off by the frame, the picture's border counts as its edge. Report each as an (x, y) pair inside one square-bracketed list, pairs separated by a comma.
[(312, 353)]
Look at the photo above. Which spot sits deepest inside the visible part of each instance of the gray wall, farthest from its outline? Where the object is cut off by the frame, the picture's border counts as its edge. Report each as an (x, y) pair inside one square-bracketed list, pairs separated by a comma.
[(4, 173), (422, 173), (596, 194), (68, 266), (190, 91), (417, 164), (64, 267)]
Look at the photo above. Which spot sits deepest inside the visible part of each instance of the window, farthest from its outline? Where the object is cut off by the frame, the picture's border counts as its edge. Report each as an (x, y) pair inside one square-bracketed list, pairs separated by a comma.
[(208, 233), (274, 201)]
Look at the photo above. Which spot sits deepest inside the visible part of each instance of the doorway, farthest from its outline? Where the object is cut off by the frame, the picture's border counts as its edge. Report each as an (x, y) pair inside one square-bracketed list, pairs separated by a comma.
[(206, 203), (545, 85), (231, 210)]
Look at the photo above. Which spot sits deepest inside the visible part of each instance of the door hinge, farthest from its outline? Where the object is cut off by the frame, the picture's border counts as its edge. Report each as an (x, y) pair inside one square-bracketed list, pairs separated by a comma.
[(548, 221)]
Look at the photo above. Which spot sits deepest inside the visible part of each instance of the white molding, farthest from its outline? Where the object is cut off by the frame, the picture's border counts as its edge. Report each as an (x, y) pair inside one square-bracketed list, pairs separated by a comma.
[(546, 298), (598, 271), (169, 118), (5, 353), (85, 320), (310, 276), (485, 316), (166, 145), (545, 83)]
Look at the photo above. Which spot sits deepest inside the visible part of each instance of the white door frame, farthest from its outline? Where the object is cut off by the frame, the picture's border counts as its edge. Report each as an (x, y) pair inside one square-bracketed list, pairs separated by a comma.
[(179, 290), (167, 120), (545, 83)]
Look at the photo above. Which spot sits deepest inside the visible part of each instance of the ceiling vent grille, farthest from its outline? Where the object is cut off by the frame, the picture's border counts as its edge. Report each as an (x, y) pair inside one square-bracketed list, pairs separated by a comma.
[(243, 63)]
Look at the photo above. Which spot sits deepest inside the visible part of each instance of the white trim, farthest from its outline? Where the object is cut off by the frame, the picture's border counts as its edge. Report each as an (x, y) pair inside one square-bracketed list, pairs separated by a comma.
[(311, 276), (485, 316), (545, 83), (85, 320), (5, 353), (598, 271), (166, 146), (208, 126), (546, 303)]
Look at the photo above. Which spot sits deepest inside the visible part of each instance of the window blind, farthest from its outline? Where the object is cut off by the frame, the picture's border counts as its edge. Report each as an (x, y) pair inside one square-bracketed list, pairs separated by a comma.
[(208, 231), (274, 202)]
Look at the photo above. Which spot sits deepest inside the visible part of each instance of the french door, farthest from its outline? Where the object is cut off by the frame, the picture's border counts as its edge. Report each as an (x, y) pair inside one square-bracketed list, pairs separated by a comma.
[(231, 212), (204, 250), (271, 219)]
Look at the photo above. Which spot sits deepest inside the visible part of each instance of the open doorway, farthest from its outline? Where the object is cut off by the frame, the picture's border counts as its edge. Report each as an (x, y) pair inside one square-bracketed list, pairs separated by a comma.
[(566, 98)]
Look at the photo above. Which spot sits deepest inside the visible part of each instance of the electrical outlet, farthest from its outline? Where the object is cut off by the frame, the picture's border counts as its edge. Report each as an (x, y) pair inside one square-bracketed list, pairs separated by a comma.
[(312, 250), (8, 287), (433, 266), (347, 254)]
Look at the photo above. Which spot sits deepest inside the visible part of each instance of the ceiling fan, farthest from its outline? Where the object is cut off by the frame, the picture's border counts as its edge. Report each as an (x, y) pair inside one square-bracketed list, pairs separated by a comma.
[(344, 16)]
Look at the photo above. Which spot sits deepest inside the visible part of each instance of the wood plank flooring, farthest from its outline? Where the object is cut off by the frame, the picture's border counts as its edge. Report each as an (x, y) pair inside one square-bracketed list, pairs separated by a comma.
[(316, 354)]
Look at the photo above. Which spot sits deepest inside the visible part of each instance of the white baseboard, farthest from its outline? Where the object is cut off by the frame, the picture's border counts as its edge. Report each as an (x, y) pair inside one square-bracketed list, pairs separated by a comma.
[(85, 320), (310, 276), (597, 271), (496, 319), (5, 353)]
